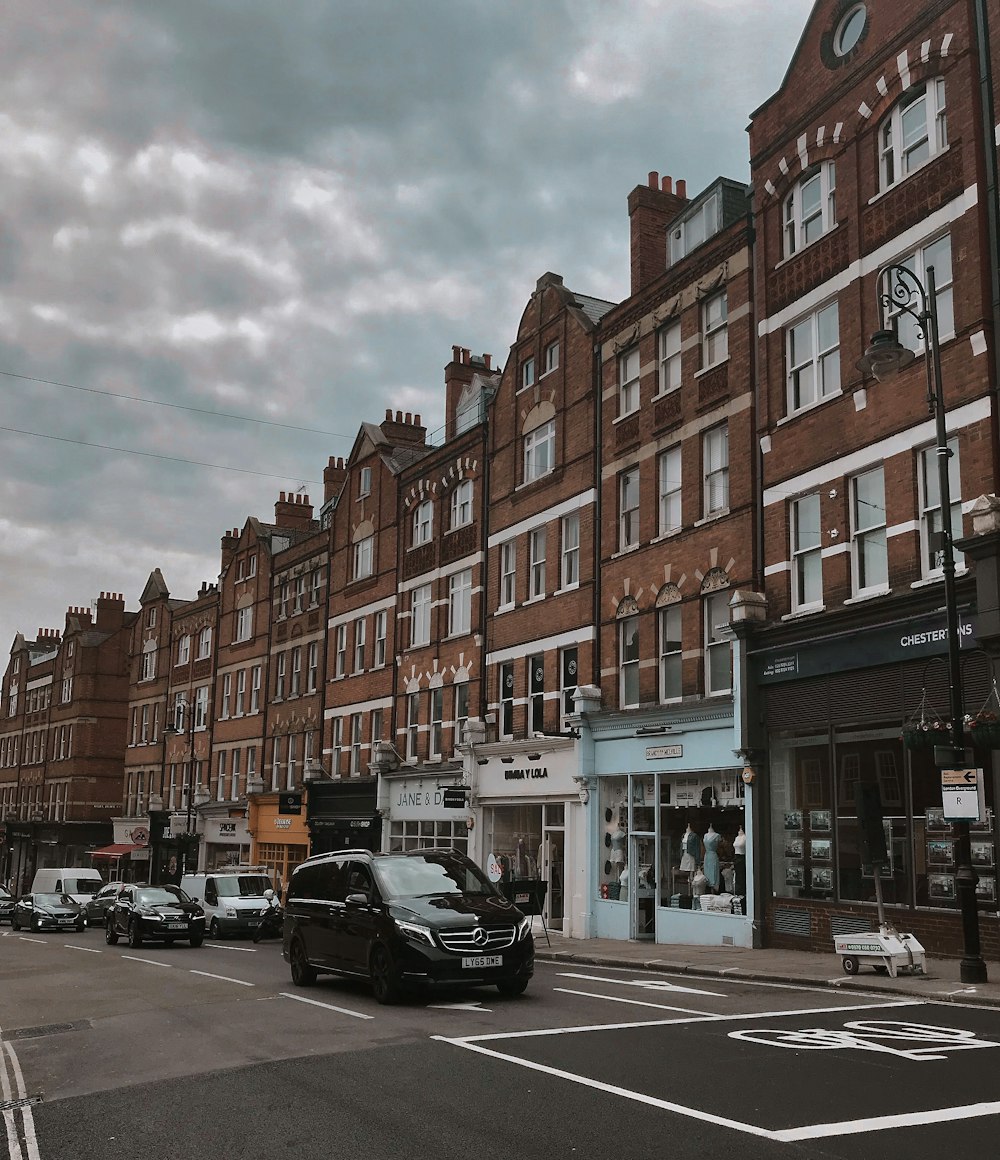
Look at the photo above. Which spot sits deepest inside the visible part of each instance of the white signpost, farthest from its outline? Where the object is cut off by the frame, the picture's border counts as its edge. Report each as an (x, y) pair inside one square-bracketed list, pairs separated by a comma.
[(962, 795)]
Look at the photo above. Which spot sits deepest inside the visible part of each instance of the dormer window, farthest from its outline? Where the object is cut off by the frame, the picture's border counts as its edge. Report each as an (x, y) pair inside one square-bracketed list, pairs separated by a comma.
[(913, 132), (694, 229), (365, 482), (811, 207)]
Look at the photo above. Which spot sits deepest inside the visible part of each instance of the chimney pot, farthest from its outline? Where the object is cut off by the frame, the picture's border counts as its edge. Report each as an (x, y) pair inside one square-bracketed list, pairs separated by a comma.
[(416, 420), (408, 418), (667, 185), (456, 353), (654, 179), (681, 187), (487, 358), (388, 413)]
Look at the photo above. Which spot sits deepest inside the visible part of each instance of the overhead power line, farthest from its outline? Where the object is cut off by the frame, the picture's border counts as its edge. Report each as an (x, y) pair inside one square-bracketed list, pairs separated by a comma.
[(154, 455), (172, 406)]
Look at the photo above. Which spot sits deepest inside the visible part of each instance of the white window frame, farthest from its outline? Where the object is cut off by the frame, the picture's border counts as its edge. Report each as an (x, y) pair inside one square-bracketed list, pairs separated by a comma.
[(806, 530), (715, 469), (539, 451), (811, 206), (460, 603), (461, 709), (669, 628), (930, 254), (381, 622), (363, 557), (715, 330), (668, 346), (244, 624), (628, 664), (412, 723), (461, 504), (698, 227), (364, 482), (201, 707), (436, 742), (628, 509), (220, 777), (312, 667), (295, 673), (205, 642), (279, 676), (537, 538), (184, 649), (629, 371), (340, 650), (505, 698), (930, 506), (360, 643), (669, 511), (420, 616), (716, 613), (551, 357), (255, 689), (812, 356), (570, 540), (227, 695), (423, 523), (527, 373), (508, 573), (898, 159), (148, 664), (356, 726), (241, 692), (868, 525)]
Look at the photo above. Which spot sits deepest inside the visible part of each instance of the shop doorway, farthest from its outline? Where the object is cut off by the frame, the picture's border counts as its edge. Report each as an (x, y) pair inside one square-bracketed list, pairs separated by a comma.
[(641, 887), (552, 861)]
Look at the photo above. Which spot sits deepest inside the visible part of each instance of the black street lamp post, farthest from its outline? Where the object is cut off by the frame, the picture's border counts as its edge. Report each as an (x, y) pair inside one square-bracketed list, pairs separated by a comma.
[(900, 291)]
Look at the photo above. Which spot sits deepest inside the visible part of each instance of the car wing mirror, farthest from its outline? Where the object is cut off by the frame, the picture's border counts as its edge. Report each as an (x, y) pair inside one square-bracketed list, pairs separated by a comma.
[(357, 900)]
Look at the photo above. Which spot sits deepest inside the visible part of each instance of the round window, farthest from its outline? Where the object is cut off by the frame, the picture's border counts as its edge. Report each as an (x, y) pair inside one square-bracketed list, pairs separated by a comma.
[(849, 30)]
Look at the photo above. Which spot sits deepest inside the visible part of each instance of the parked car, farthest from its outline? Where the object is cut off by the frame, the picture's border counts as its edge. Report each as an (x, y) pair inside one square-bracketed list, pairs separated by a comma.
[(6, 904), (164, 913), (417, 918), (47, 912), (95, 909)]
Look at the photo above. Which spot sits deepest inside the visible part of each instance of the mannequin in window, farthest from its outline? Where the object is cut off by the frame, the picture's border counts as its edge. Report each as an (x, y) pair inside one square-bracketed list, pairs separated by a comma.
[(690, 849), (711, 841), (740, 861), (623, 883), (618, 837)]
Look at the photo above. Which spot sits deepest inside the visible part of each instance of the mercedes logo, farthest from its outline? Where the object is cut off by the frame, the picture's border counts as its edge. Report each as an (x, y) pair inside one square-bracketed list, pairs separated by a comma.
[(480, 937)]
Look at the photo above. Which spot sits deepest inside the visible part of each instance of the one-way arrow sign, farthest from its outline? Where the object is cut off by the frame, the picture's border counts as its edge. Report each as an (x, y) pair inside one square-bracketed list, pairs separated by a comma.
[(959, 776)]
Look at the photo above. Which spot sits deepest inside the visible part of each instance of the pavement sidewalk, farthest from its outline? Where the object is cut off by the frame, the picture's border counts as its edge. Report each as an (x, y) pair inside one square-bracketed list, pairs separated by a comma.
[(940, 983)]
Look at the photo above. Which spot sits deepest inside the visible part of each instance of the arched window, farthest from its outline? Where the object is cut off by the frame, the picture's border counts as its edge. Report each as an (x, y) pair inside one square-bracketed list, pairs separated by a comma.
[(628, 653), (423, 523), (811, 207), (914, 131), (461, 504)]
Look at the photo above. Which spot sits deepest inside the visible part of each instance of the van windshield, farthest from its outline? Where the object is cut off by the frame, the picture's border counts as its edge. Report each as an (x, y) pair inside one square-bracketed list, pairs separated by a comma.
[(81, 885), (243, 885), (417, 876)]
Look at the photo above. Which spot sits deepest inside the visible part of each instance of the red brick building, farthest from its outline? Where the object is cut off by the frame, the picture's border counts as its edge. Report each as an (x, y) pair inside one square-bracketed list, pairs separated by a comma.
[(872, 152)]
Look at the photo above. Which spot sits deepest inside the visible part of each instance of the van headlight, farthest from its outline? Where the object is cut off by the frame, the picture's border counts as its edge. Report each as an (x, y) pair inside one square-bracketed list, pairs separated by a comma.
[(415, 932), (230, 913), (523, 928)]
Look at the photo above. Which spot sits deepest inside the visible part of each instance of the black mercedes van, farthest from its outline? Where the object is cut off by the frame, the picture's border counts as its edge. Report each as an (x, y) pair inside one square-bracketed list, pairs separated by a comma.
[(409, 919)]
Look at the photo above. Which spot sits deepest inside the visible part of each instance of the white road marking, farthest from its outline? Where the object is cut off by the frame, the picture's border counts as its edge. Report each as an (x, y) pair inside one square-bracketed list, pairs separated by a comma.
[(43, 941), (646, 984), (327, 1006), (814, 988), (27, 1117), (89, 950), (10, 1123), (599, 1085), (223, 978), (883, 1123), (463, 1007), (150, 962), (223, 947), (622, 999)]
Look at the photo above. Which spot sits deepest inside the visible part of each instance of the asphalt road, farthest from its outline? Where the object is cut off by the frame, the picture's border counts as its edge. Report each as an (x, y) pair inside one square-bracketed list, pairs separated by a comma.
[(212, 1053)]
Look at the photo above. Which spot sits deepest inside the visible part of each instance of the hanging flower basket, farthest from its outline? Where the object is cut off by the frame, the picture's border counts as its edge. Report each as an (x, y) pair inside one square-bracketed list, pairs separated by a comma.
[(984, 727), (926, 736)]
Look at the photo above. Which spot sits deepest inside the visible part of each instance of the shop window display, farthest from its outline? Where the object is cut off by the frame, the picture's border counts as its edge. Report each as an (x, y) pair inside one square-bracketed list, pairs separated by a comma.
[(515, 839), (424, 835)]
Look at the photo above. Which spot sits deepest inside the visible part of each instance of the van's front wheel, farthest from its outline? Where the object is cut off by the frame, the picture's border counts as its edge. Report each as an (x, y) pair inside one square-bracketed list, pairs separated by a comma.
[(213, 929), (384, 979), (303, 973)]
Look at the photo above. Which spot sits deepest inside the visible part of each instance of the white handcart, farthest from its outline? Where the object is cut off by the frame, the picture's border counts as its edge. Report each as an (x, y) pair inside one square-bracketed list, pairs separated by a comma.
[(889, 951)]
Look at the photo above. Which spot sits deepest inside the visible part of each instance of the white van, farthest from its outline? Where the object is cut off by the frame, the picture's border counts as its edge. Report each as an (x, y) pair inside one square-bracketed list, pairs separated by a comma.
[(81, 883), (233, 899)]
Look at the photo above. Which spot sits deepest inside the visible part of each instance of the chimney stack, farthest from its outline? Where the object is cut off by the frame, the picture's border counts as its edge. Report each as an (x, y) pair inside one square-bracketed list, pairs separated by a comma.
[(293, 511), (398, 428), (110, 611), (651, 208), (334, 475)]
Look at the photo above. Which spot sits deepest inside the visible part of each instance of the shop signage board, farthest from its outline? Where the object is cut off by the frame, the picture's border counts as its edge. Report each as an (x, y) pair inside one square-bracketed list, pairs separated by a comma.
[(494, 871), (919, 637), (962, 795), (454, 797), (419, 800), (290, 803), (656, 752), (548, 775)]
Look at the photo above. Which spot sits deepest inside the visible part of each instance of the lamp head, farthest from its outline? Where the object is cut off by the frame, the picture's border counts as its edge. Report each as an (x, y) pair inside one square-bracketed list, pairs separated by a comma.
[(885, 355)]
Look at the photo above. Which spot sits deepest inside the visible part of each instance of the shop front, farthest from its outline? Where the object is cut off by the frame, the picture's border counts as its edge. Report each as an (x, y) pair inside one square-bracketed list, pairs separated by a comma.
[(529, 812), (225, 837), (672, 853), (415, 813), (343, 815), (859, 709), (279, 838), (36, 845)]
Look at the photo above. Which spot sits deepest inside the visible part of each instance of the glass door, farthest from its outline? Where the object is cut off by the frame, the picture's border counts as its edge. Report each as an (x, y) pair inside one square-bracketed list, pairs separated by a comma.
[(551, 863)]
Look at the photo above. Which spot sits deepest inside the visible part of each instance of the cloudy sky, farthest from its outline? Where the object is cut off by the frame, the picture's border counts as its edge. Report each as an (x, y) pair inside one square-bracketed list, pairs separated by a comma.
[(272, 220)]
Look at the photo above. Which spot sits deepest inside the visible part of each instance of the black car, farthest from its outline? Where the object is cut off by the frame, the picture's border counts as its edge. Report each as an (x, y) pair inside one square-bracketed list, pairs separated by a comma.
[(6, 904), (416, 918), (96, 909), (47, 912), (164, 913)]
